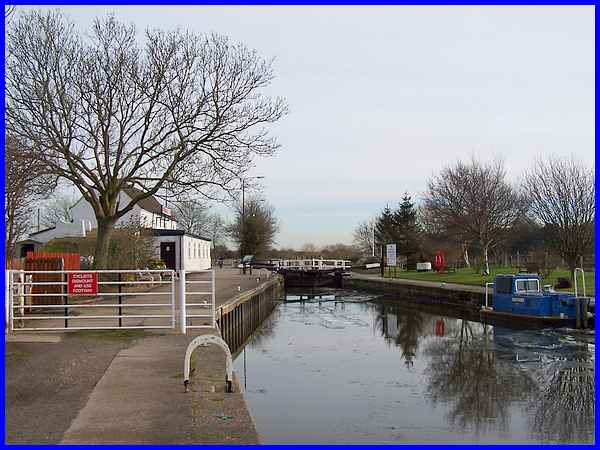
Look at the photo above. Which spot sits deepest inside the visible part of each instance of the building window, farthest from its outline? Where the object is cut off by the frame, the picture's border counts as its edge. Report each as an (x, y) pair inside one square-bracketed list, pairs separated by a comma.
[(190, 250)]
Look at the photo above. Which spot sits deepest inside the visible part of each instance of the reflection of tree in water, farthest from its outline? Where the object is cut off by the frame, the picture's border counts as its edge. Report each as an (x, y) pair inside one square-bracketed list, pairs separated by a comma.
[(411, 326), (464, 372), (565, 408), (265, 330)]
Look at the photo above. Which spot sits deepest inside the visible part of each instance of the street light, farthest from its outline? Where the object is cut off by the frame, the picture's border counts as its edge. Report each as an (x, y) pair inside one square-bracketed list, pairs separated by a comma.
[(244, 214)]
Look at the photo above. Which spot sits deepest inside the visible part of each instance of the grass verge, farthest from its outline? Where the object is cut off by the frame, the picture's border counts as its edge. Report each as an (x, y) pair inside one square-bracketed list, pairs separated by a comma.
[(473, 277)]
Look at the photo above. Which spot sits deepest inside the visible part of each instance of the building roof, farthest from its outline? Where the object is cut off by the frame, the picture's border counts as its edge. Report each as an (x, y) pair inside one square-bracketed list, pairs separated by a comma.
[(158, 232), (41, 231), (28, 240), (150, 204)]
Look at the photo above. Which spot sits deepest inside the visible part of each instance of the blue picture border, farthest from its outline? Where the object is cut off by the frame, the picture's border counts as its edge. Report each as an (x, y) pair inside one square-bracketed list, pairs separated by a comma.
[(330, 2)]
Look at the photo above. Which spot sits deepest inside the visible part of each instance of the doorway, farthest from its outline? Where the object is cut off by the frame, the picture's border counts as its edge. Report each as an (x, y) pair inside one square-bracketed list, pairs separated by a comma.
[(167, 254)]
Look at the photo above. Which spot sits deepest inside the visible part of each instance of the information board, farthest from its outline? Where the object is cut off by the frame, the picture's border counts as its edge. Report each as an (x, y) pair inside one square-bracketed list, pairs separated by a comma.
[(82, 283), (391, 254)]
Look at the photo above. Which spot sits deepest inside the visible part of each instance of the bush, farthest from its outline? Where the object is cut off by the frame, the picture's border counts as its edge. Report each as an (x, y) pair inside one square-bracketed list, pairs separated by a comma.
[(156, 264)]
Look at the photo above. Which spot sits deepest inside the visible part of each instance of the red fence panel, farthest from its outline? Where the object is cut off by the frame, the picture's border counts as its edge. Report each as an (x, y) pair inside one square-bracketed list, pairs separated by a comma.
[(41, 261), (72, 260)]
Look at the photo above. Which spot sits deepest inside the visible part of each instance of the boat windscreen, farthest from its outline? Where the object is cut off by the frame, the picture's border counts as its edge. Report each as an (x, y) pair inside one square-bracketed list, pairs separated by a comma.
[(528, 285)]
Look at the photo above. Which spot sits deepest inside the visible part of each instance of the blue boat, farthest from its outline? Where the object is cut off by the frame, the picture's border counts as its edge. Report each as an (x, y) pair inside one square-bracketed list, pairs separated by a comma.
[(520, 299)]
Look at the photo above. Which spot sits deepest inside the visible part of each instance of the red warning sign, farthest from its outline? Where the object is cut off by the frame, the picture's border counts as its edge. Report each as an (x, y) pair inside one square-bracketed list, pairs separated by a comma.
[(82, 283)]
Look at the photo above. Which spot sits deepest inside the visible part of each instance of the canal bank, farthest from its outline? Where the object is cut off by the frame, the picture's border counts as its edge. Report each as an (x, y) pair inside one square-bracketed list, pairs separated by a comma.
[(126, 387), (446, 294)]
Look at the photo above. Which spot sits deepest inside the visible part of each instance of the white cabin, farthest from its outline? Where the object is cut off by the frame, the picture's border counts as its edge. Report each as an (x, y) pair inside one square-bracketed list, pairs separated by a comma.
[(183, 251)]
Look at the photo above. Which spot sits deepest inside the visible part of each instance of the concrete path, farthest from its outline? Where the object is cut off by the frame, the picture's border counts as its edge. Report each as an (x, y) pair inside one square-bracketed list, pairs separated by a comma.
[(442, 285), (139, 398)]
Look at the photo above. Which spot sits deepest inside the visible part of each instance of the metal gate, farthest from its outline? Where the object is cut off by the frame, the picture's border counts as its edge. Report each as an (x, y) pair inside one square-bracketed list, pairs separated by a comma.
[(197, 289), (124, 299)]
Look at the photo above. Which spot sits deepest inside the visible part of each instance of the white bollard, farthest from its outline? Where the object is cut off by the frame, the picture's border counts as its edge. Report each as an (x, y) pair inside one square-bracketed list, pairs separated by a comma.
[(205, 340), (181, 295)]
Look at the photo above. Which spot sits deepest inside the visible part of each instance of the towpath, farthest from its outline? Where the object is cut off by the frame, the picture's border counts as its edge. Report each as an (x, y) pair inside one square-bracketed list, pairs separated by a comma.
[(123, 386)]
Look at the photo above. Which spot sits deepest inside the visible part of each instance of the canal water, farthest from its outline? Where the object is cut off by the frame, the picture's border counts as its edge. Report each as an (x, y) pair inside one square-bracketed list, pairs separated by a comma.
[(354, 368)]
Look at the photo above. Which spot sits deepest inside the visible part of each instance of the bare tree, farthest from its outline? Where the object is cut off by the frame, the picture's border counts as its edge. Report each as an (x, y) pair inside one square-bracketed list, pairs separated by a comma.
[(309, 249), (363, 237), (217, 230), (25, 183), (192, 216), (437, 230), (255, 231), (185, 111), (8, 11), (474, 201), (561, 195), (57, 210)]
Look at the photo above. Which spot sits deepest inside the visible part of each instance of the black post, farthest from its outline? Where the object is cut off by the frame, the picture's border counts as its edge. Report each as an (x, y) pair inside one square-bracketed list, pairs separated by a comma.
[(381, 264), (243, 229), (120, 299)]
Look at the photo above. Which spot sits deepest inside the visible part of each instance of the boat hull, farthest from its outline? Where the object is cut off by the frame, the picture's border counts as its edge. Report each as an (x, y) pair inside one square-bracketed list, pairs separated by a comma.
[(527, 321)]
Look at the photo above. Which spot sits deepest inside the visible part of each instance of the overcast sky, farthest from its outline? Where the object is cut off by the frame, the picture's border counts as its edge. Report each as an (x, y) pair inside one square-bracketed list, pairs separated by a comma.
[(383, 97)]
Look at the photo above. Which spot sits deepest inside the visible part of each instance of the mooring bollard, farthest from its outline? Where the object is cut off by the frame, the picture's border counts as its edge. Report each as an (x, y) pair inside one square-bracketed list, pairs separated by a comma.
[(205, 340)]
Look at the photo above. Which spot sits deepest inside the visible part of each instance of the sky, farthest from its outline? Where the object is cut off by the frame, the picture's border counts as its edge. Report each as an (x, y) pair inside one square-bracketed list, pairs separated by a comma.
[(382, 98)]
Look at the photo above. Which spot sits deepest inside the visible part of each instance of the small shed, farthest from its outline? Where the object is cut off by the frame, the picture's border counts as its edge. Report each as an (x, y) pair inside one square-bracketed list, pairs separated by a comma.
[(183, 251)]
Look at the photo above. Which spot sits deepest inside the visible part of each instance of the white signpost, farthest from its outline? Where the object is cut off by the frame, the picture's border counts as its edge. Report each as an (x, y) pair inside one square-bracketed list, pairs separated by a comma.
[(391, 254)]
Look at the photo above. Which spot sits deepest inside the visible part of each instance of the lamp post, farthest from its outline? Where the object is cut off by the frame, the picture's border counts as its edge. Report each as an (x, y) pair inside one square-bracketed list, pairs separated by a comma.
[(373, 241), (244, 215)]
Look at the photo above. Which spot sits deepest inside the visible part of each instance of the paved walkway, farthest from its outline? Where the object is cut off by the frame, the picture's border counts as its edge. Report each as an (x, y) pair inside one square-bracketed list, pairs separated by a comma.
[(139, 398), (442, 285)]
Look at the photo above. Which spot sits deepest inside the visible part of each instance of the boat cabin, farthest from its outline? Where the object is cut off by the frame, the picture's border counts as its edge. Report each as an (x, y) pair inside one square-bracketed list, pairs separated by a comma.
[(522, 295)]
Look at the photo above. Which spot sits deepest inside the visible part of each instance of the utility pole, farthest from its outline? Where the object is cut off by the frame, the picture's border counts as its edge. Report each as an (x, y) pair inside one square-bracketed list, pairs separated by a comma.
[(373, 240), (243, 220)]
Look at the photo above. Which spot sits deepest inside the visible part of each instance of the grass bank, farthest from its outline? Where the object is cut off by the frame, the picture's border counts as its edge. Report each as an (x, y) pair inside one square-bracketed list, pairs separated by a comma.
[(473, 277)]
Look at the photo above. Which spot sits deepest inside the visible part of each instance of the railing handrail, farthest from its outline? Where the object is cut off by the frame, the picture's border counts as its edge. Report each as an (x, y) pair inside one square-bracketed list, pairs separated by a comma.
[(486, 293), (579, 269)]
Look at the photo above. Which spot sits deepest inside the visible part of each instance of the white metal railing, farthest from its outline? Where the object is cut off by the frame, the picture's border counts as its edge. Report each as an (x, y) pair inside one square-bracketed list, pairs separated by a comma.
[(197, 291), (579, 269), (26, 307), (312, 264)]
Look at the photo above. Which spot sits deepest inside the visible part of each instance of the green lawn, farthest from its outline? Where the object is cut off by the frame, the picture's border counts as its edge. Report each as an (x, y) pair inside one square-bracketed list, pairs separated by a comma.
[(471, 276)]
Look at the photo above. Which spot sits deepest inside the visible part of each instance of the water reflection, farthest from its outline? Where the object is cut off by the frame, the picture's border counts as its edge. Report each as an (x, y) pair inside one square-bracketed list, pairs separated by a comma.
[(465, 371), (478, 371), (463, 381), (564, 409)]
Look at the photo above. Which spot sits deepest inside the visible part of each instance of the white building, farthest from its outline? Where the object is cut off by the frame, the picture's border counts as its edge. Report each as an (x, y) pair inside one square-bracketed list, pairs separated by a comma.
[(178, 249), (148, 213), (181, 250)]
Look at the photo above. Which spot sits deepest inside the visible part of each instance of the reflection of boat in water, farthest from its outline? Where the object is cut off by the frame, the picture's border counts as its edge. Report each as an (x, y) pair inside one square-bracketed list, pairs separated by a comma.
[(518, 298)]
